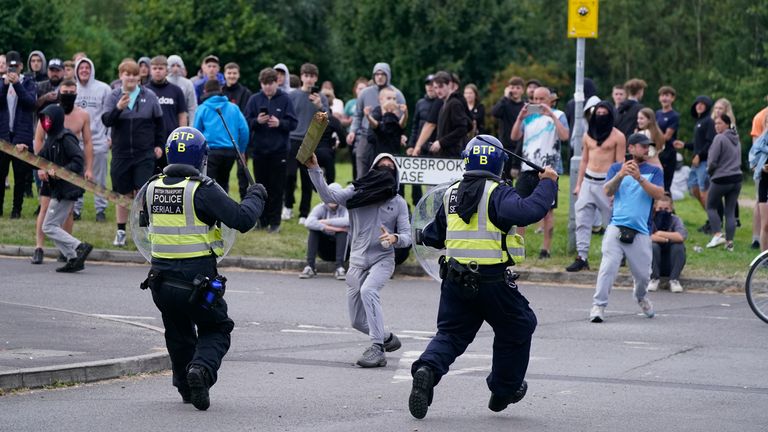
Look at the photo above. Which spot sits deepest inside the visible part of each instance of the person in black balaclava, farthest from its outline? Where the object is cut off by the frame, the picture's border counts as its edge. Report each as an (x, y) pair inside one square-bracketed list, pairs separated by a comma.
[(61, 147), (603, 145)]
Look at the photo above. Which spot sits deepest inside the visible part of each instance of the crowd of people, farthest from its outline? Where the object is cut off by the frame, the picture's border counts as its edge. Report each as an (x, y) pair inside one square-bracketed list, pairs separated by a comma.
[(130, 118)]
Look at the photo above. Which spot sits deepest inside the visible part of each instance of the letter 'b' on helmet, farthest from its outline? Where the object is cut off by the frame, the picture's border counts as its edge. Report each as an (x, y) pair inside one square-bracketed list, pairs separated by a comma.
[(484, 152), (186, 145)]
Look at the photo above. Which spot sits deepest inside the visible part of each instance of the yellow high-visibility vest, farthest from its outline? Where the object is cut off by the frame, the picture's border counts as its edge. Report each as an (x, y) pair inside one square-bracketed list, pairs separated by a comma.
[(175, 232), (479, 240)]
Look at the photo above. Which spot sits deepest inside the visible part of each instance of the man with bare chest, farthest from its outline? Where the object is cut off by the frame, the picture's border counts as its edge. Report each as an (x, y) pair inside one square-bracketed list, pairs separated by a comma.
[(603, 145), (77, 121)]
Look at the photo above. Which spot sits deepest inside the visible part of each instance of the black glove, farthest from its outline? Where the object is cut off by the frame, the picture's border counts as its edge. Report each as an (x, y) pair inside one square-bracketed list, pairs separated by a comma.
[(418, 237), (258, 190)]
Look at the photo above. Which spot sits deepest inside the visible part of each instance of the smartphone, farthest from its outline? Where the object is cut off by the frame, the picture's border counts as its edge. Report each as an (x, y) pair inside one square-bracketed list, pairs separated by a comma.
[(628, 157), (263, 110), (314, 89), (534, 108), (13, 67)]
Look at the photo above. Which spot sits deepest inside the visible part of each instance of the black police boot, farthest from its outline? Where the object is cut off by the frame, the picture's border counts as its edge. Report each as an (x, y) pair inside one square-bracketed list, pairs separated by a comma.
[(421, 392), (197, 378), (500, 403), (186, 395)]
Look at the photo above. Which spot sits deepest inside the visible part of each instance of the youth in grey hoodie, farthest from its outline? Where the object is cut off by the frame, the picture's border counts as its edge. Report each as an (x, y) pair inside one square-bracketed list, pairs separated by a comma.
[(286, 87), (42, 74), (185, 84), (370, 263), (369, 97), (92, 96)]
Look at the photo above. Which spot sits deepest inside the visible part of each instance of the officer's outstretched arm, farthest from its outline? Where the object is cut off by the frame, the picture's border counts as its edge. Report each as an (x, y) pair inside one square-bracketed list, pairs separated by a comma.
[(212, 204)]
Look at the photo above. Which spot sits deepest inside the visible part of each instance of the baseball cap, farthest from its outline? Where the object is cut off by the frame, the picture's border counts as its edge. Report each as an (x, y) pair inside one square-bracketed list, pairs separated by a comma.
[(638, 138), (429, 78), (55, 63), (13, 56), (211, 58)]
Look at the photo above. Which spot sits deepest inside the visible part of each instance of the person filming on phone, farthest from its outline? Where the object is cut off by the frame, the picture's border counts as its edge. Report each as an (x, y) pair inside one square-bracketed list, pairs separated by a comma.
[(633, 184), (18, 95), (138, 138), (540, 130)]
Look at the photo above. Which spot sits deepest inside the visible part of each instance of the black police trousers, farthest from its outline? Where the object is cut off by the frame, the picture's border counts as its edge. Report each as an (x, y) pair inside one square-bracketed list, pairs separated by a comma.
[(458, 321), (205, 347)]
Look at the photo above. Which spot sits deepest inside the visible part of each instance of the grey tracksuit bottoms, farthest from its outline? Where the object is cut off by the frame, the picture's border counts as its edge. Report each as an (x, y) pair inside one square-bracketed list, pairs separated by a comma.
[(58, 212), (592, 198), (639, 257), (363, 299)]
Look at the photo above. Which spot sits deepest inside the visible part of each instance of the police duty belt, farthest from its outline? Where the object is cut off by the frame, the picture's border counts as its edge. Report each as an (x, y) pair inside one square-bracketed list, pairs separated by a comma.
[(65, 174)]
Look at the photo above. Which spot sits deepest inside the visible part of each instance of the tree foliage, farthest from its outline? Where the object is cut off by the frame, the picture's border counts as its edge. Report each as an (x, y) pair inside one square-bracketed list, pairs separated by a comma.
[(713, 47)]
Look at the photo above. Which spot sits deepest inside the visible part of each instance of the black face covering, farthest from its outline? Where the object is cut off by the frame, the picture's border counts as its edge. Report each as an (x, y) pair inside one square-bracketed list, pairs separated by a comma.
[(601, 126), (379, 184), (67, 101), (662, 220)]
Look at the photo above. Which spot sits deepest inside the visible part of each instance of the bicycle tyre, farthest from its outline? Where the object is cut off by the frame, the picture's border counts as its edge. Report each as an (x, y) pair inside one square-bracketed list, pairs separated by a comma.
[(756, 286)]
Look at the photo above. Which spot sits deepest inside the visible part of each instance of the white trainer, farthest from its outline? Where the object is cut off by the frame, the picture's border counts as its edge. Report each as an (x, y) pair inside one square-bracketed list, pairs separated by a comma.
[(287, 213), (674, 286), (653, 285), (596, 314), (307, 273), (119, 238), (647, 307), (716, 241)]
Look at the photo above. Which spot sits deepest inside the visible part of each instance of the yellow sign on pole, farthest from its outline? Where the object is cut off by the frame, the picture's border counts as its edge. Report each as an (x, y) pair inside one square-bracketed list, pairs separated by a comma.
[(582, 18)]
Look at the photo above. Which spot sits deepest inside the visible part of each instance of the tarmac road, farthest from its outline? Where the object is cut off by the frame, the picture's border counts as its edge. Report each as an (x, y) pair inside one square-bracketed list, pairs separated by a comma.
[(700, 365)]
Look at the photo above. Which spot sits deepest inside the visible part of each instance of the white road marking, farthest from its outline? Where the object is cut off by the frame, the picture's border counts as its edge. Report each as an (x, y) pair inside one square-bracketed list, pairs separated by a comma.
[(315, 331), (128, 317)]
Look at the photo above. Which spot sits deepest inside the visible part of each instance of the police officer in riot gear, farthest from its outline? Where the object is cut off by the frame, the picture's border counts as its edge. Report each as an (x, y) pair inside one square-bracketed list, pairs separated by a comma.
[(472, 225), (184, 210)]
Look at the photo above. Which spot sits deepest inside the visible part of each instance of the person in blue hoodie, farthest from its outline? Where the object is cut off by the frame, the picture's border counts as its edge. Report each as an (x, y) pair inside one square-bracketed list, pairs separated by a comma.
[(271, 118), (221, 155)]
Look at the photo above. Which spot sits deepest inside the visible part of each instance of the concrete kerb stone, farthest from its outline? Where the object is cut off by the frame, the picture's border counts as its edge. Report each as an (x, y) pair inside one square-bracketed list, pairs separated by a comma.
[(84, 372), (280, 264)]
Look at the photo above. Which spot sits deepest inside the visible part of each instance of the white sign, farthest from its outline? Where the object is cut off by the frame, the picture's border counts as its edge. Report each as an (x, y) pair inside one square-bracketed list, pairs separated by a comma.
[(428, 171)]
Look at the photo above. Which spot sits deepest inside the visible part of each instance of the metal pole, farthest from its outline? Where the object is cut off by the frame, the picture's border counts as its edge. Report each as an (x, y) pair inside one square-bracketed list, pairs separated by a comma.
[(576, 136)]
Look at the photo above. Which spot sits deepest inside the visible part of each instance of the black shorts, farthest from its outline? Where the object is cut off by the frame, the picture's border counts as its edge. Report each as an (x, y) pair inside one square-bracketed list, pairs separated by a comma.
[(527, 182), (45, 189), (129, 175), (762, 188)]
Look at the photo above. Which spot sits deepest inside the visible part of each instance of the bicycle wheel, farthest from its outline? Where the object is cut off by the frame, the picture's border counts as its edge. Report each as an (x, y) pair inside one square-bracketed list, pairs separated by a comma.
[(756, 286)]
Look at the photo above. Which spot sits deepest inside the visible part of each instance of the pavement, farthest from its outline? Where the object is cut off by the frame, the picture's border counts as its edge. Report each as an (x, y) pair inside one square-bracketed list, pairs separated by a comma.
[(80, 346), (698, 365)]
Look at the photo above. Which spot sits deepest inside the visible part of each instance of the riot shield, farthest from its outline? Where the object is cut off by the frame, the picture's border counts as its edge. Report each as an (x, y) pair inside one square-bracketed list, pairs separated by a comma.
[(423, 214)]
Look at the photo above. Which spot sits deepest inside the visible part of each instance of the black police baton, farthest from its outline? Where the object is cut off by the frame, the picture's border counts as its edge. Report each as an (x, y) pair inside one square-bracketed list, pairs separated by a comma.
[(513, 154), (240, 158)]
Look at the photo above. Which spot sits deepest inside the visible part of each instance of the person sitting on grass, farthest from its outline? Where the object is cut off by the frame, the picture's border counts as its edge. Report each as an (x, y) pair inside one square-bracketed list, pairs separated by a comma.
[(328, 224), (668, 237)]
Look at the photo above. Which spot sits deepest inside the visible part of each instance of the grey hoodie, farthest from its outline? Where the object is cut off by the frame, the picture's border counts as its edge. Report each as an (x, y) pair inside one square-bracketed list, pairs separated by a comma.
[(369, 97), (286, 87), (92, 96), (365, 222), (43, 71), (724, 157), (186, 87)]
